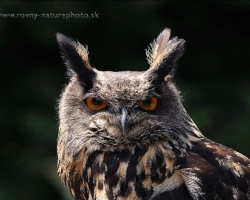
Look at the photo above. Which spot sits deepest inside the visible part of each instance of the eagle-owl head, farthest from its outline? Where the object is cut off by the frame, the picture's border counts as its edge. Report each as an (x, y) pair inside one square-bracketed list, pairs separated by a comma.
[(106, 111)]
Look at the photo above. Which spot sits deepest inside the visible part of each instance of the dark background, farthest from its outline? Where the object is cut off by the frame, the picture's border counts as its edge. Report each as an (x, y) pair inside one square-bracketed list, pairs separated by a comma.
[(213, 75)]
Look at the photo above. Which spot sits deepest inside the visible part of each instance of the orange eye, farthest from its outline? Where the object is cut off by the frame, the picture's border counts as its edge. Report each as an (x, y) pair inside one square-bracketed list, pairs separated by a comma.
[(95, 104), (149, 104)]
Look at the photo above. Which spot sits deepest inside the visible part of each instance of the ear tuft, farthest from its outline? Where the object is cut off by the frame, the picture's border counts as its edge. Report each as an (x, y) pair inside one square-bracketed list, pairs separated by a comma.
[(76, 58), (163, 54), (156, 49)]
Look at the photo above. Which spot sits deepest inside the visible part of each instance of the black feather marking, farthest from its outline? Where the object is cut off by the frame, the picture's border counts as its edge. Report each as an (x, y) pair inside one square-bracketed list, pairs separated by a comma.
[(112, 161), (124, 189), (141, 191), (125, 155), (158, 166), (131, 171)]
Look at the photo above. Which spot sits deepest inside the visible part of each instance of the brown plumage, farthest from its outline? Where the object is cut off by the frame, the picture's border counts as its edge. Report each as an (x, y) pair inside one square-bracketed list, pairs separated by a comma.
[(126, 135)]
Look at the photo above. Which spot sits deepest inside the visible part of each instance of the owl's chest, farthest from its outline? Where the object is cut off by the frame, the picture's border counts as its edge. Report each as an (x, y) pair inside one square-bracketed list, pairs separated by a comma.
[(132, 173)]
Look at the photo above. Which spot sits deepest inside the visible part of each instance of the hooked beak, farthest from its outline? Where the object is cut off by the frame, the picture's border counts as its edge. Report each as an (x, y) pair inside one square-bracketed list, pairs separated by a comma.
[(124, 121)]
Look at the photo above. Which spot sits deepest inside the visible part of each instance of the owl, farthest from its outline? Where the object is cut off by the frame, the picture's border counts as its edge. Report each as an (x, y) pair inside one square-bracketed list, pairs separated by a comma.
[(126, 135)]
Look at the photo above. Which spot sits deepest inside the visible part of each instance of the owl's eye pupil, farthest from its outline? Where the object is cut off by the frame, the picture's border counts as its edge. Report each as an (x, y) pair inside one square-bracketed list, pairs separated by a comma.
[(147, 101), (148, 104), (95, 103)]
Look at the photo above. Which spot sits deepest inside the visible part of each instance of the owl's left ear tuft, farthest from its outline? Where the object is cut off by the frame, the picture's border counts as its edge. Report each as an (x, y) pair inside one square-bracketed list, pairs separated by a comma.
[(163, 54), (76, 58)]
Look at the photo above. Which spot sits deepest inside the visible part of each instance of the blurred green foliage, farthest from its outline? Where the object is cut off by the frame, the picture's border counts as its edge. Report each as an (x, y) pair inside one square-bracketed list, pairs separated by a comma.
[(214, 75)]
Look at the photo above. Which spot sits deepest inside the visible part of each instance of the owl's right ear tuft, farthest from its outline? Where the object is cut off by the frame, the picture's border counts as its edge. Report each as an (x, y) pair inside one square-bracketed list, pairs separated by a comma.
[(76, 59), (163, 54)]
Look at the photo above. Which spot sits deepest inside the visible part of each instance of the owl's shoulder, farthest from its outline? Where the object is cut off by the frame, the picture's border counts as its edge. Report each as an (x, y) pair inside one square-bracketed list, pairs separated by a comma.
[(213, 171)]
